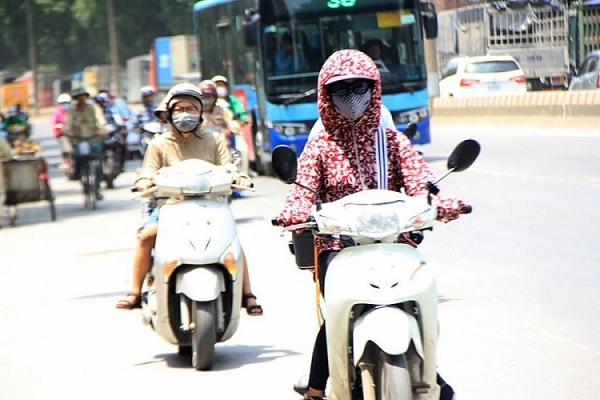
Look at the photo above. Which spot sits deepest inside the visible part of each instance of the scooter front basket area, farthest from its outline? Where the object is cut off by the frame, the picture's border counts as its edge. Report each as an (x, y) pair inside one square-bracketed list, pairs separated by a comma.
[(302, 246)]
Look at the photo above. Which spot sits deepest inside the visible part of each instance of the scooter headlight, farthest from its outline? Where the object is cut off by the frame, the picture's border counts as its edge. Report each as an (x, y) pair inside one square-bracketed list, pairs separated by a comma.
[(199, 185), (378, 220), (334, 225), (419, 220)]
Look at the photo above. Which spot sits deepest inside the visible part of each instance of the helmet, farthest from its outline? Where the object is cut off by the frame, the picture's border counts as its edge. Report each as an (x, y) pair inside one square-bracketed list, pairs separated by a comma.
[(79, 92), (101, 97), (219, 78), (183, 89), (162, 107), (147, 91), (63, 98), (208, 88)]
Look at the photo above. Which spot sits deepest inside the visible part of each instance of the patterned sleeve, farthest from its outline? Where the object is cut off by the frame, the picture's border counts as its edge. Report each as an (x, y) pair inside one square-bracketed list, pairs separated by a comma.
[(416, 174), (299, 200)]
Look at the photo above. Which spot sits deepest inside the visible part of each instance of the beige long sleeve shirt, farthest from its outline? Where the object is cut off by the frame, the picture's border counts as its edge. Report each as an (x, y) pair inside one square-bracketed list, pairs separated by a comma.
[(170, 147), (84, 123)]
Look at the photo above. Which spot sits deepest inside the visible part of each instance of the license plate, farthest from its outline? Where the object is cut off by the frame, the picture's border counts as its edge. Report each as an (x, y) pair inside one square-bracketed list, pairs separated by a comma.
[(494, 85)]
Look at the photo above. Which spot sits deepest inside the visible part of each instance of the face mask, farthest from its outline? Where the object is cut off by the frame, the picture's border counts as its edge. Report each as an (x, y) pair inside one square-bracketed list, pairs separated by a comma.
[(66, 106), (209, 101), (222, 92), (186, 122), (352, 105)]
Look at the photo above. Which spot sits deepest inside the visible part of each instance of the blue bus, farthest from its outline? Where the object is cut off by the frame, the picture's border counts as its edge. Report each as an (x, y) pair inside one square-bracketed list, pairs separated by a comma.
[(244, 40)]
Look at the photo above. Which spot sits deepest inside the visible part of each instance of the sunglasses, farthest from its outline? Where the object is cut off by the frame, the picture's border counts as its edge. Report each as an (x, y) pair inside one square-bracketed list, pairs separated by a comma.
[(360, 86)]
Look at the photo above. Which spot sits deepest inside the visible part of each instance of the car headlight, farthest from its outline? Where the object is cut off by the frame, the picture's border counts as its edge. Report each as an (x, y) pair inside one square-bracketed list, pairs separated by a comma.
[(377, 220)]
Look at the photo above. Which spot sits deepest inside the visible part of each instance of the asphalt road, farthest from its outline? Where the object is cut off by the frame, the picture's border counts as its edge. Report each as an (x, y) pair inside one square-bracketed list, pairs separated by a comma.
[(518, 281)]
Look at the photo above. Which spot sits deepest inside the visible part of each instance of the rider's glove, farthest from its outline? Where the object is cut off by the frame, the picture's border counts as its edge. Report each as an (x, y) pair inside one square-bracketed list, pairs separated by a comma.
[(450, 208)]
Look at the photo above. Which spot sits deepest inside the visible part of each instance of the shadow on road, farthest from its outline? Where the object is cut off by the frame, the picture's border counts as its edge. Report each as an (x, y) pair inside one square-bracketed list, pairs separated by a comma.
[(227, 357)]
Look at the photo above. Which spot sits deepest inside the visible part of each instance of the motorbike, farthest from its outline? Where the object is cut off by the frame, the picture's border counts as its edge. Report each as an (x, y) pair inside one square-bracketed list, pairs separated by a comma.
[(193, 294), (143, 134), (381, 302), (113, 153)]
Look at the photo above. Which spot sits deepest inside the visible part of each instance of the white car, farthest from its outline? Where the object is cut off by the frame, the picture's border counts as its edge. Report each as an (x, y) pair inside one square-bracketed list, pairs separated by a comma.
[(482, 76)]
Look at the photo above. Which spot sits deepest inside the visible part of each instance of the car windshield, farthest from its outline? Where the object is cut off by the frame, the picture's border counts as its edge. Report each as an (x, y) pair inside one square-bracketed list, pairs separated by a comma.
[(487, 67)]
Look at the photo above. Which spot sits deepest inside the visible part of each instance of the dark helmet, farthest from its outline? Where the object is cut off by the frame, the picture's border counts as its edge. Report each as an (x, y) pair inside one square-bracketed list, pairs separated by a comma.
[(208, 88)]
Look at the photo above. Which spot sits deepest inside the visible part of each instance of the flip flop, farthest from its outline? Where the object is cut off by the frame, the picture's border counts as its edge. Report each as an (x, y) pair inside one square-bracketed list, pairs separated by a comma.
[(253, 310), (125, 304)]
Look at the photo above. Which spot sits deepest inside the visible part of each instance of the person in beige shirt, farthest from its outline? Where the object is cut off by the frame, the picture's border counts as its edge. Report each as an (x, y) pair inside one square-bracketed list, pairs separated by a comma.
[(5, 152), (186, 140), (85, 121)]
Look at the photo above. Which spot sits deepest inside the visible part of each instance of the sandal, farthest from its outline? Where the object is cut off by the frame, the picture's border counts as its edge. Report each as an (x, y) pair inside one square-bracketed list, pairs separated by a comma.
[(125, 304), (253, 310)]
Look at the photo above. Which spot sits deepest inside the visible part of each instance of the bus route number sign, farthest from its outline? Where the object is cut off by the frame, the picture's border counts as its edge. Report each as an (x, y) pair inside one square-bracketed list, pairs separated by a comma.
[(341, 3)]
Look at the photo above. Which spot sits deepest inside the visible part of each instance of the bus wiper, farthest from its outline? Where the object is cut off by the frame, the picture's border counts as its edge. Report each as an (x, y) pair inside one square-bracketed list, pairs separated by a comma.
[(402, 84), (300, 96)]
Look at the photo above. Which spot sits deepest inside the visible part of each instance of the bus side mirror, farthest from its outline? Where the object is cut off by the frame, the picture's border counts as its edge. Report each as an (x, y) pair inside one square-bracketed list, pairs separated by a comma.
[(429, 19), (250, 27)]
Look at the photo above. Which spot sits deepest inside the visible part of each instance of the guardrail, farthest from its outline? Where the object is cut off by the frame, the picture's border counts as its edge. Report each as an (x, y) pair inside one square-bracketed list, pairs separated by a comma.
[(555, 103)]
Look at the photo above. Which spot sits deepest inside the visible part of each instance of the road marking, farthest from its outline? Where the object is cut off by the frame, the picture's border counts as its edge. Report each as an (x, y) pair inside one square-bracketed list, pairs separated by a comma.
[(593, 182)]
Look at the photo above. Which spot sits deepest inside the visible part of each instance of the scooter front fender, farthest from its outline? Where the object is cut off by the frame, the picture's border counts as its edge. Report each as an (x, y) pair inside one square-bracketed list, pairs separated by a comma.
[(200, 284), (390, 328)]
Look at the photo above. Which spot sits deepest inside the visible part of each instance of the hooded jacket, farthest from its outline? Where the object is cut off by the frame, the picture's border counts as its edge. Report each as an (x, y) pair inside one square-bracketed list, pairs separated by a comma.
[(341, 158)]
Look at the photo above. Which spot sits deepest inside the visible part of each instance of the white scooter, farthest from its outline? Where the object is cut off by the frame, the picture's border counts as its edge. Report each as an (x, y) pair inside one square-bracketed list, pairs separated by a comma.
[(381, 302), (194, 291)]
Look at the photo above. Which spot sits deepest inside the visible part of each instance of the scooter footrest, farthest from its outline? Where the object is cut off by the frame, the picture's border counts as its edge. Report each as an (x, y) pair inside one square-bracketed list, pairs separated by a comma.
[(421, 387)]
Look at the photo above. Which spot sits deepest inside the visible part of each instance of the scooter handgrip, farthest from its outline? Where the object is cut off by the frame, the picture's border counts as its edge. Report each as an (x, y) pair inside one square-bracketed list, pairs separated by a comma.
[(133, 189), (468, 209), (274, 221)]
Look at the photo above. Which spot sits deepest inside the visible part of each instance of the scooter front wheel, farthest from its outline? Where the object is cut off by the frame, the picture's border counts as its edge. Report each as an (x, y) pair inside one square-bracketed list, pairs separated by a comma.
[(204, 336), (393, 381)]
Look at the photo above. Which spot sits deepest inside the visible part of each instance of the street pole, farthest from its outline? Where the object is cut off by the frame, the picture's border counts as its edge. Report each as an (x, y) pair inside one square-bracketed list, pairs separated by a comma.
[(32, 53), (114, 49)]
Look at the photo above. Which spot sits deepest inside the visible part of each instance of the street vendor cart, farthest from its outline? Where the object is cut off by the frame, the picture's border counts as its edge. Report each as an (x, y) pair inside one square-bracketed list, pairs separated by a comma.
[(26, 180)]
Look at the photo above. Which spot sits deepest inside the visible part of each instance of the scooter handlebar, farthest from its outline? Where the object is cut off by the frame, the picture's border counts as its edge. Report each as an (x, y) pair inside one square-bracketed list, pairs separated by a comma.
[(468, 209)]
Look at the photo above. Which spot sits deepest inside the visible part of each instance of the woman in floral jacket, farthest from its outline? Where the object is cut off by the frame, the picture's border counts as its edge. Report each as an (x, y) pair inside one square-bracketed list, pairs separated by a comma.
[(351, 153)]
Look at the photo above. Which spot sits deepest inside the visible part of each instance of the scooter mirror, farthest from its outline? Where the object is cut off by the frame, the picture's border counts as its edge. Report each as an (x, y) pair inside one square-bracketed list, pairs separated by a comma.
[(285, 163), (410, 131), (464, 155)]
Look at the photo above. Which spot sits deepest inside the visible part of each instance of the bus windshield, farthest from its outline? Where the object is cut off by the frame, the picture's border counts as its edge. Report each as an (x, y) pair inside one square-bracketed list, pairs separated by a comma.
[(298, 38)]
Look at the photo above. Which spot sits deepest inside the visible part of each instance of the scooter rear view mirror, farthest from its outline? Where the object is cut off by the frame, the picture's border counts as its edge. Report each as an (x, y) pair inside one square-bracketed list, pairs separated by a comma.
[(410, 131), (464, 155), (285, 163)]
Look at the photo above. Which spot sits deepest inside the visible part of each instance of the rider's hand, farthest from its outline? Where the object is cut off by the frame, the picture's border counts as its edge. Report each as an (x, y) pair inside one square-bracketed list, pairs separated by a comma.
[(143, 184), (244, 180), (450, 208)]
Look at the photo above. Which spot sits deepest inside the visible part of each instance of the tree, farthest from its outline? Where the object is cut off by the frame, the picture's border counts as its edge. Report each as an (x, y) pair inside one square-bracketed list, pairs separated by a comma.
[(72, 34)]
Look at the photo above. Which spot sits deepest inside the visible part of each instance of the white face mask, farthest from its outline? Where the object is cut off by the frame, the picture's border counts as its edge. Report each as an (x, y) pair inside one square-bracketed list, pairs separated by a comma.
[(222, 92)]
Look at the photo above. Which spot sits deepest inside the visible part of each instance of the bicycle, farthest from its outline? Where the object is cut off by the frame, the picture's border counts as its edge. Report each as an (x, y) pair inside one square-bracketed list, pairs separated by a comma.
[(87, 153)]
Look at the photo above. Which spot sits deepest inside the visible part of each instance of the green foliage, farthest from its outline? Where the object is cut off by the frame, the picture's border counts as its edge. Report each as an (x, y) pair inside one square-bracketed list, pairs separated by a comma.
[(72, 34)]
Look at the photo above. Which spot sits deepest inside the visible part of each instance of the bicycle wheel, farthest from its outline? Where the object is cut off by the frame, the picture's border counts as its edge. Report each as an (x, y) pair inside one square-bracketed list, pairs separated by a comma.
[(88, 180)]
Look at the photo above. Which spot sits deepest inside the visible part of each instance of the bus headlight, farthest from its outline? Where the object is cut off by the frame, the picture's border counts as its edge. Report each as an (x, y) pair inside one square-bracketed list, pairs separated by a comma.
[(414, 116), (292, 129)]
